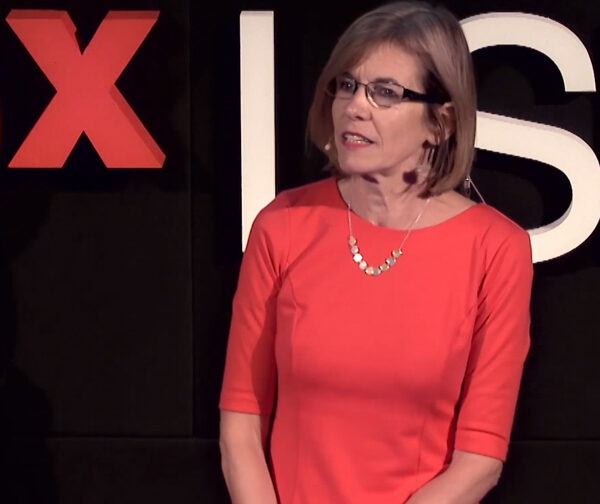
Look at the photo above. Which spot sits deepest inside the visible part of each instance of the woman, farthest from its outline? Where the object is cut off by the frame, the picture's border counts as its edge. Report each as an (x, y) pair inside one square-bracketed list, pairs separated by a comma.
[(381, 319)]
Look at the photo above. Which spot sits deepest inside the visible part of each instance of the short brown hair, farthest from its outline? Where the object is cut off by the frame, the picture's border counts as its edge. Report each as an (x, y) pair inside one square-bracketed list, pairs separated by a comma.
[(435, 37)]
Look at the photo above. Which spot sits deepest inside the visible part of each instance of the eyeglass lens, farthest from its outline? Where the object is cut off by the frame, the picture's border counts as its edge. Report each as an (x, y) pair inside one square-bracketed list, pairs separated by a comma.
[(381, 93)]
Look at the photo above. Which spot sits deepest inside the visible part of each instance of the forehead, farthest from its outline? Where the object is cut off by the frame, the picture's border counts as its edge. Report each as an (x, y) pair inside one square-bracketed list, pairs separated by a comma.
[(388, 60)]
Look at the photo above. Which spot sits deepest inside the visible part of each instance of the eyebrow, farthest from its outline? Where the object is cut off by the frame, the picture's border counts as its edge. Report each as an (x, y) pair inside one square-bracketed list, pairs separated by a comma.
[(387, 80), (379, 80)]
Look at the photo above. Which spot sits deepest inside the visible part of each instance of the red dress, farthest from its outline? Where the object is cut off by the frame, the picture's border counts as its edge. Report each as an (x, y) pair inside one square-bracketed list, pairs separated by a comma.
[(374, 381)]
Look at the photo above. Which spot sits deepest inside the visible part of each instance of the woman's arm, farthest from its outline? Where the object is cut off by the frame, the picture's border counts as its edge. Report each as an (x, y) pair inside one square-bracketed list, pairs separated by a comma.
[(242, 443), (491, 384), (466, 481), (250, 377)]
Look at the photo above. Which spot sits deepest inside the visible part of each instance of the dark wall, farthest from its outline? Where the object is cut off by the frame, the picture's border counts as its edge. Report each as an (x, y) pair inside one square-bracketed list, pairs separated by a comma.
[(116, 284)]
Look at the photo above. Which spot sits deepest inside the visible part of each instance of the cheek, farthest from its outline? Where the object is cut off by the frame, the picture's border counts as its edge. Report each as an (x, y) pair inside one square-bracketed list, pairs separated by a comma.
[(336, 114), (407, 130), (428, 127)]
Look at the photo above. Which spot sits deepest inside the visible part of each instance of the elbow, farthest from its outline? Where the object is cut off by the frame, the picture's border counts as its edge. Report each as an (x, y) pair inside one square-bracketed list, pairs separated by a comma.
[(495, 473), (224, 450), (483, 471), (229, 447), (223, 443), (491, 475), (228, 440), (239, 438)]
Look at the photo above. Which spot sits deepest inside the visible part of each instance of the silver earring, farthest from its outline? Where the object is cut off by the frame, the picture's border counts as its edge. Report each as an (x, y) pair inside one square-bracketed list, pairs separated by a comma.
[(467, 184)]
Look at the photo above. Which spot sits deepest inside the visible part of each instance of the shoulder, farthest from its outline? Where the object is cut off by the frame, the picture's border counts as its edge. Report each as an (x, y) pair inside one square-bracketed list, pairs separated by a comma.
[(495, 225), (271, 233), (305, 196), (484, 230), (485, 223), (500, 239), (275, 218)]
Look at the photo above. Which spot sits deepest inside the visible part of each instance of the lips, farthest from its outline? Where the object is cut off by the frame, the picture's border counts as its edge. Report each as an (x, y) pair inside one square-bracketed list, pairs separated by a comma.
[(354, 138)]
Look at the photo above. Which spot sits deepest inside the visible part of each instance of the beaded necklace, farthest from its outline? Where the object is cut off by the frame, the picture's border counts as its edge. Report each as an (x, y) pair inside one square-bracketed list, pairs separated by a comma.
[(358, 258)]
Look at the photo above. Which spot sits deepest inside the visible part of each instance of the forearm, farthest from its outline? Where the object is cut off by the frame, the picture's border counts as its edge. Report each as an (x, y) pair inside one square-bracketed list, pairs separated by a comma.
[(466, 481), (242, 442), (246, 474)]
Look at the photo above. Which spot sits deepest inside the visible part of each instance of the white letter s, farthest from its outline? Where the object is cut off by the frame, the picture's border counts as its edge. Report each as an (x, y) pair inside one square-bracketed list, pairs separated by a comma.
[(548, 144)]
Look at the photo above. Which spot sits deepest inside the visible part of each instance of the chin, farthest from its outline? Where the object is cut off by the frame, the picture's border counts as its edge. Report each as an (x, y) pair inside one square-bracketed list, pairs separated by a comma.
[(354, 166), (362, 170)]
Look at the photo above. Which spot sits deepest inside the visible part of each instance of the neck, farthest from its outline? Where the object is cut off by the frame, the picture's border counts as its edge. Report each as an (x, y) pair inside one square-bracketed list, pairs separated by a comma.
[(384, 200)]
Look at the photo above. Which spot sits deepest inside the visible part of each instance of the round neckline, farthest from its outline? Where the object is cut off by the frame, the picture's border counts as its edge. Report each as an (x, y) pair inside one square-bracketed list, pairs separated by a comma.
[(449, 220)]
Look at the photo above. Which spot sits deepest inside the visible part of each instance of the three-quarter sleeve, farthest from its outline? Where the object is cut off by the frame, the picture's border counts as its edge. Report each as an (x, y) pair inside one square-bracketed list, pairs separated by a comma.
[(250, 372), (499, 346)]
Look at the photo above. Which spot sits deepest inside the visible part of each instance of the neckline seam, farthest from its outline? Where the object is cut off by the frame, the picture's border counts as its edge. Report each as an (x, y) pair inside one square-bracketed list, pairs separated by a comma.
[(449, 220)]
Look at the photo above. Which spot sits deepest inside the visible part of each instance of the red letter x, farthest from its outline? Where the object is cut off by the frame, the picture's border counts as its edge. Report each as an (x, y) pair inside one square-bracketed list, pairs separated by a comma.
[(86, 99)]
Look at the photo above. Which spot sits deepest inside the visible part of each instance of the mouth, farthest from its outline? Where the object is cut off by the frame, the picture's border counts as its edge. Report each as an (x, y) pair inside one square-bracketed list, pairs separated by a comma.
[(351, 138)]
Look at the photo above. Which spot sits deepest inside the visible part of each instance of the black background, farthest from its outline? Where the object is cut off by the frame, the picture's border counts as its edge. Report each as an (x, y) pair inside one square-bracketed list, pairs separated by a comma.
[(116, 285)]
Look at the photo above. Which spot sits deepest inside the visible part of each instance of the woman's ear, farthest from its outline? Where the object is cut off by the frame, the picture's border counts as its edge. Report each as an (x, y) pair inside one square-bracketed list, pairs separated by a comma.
[(447, 119), (443, 123)]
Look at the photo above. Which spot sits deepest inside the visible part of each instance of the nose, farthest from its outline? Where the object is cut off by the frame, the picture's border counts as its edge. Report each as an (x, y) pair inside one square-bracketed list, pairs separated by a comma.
[(359, 106)]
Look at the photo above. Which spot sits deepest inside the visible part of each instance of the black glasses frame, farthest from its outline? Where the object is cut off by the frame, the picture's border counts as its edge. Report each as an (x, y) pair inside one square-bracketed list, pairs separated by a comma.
[(407, 94)]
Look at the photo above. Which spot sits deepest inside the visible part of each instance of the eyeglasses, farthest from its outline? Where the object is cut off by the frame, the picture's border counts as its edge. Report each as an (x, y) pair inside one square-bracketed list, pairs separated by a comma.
[(380, 93)]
